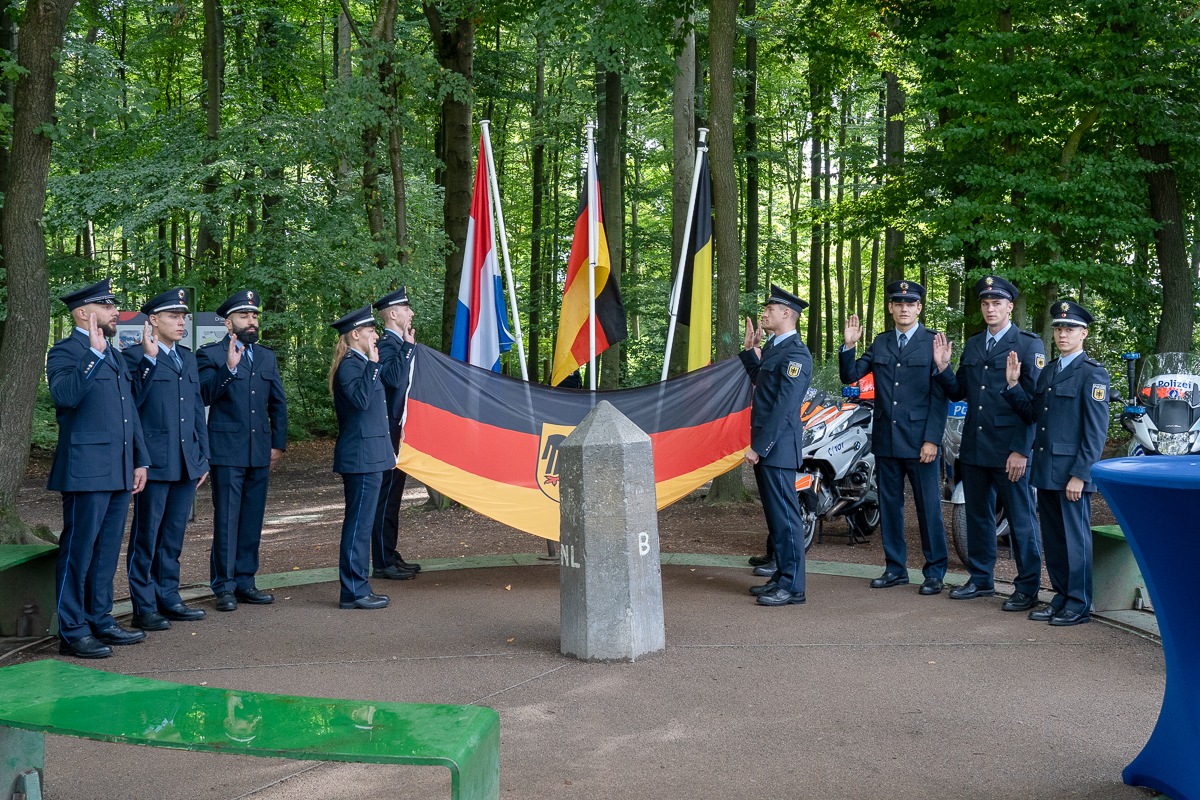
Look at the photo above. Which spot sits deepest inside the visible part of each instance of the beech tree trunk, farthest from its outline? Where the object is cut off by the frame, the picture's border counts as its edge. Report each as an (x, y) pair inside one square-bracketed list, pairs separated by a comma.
[(22, 241), (1178, 307)]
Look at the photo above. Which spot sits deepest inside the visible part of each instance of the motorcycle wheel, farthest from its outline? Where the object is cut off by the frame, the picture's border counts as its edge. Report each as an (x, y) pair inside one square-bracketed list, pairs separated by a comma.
[(864, 521), (958, 531), (810, 530)]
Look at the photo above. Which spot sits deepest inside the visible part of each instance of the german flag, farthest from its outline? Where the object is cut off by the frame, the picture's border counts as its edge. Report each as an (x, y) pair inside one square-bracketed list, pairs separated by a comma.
[(695, 293), (572, 347), (491, 442)]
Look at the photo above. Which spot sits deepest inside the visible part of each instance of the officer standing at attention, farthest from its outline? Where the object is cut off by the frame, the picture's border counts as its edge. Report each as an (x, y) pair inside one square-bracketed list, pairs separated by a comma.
[(995, 444), (166, 386), (363, 452), (1069, 406), (910, 417), (781, 372), (395, 360), (247, 433), (100, 459)]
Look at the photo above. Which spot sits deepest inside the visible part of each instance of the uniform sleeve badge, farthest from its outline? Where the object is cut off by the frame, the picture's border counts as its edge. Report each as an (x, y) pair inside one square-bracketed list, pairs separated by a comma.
[(794, 369), (1040, 360), (1099, 391)]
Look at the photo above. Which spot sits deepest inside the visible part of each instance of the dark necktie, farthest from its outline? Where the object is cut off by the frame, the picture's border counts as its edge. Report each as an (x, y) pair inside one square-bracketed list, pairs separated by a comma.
[(250, 355), (903, 341), (176, 360), (991, 341)]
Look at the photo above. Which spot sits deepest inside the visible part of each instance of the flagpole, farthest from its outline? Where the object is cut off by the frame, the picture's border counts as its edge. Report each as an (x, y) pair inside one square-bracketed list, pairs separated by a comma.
[(512, 290), (701, 149), (593, 249)]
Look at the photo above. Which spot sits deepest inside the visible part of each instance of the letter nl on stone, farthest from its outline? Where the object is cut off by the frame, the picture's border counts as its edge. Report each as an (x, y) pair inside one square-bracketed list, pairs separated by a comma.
[(610, 579)]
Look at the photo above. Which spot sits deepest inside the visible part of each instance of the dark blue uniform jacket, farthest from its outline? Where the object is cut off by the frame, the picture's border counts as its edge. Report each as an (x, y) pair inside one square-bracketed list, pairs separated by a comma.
[(172, 413), (781, 378), (363, 444), (247, 415), (1070, 410), (395, 359), (910, 406), (992, 430), (99, 433)]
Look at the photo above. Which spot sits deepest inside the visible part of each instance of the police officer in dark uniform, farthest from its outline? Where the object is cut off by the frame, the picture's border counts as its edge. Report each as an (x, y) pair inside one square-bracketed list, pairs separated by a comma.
[(100, 460), (363, 453), (166, 385), (395, 362), (995, 444), (247, 434), (1069, 407), (781, 372), (910, 417)]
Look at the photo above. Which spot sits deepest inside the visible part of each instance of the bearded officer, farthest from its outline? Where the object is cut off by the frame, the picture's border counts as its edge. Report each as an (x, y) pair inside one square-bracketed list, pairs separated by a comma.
[(995, 444), (781, 372), (909, 419), (1069, 407), (247, 433), (100, 460), (166, 385)]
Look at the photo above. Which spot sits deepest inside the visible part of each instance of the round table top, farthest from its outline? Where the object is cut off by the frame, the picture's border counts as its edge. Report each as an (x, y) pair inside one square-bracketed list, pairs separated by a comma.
[(1171, 472)]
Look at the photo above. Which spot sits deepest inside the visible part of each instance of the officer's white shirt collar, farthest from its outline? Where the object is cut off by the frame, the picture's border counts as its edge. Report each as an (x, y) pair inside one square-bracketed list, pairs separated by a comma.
[(779, 337), (394, 333), (360, 354), (997, 336), (1065, 361), (908, 333)]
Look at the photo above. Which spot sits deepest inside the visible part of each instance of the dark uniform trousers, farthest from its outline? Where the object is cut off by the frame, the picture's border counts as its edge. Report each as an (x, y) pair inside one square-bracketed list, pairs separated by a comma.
[(247, 419), (991, 433), (362, 455), (172, 412), (1070, 412), (910, 409), (395, 359), (781, 377), (100, 444)]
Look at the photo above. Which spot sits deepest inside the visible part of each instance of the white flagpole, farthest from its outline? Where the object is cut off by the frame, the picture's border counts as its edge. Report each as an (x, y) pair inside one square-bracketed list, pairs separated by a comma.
[(593, 251), (701, 150), (512, 290)]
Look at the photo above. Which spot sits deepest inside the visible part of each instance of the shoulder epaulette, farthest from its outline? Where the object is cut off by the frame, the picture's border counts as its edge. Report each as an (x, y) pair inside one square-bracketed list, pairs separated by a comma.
[(1030, 334)]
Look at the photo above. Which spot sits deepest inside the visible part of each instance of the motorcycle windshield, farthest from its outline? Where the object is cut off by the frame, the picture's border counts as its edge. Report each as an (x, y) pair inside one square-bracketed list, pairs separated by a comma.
[(1172, 378)]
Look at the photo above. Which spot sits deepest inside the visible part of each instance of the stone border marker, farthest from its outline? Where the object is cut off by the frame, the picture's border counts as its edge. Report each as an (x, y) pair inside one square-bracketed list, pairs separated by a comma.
[(610, 577)]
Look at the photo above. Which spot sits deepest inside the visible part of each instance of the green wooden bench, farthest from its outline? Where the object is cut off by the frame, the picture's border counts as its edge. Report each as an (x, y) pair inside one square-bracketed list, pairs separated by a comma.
[(1117, 583), (53, 697), (27, 606)]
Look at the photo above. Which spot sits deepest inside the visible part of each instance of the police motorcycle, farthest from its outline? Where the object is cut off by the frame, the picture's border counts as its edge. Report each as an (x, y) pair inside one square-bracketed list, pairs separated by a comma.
[(838, 476), (952, 486), (1163, 414)]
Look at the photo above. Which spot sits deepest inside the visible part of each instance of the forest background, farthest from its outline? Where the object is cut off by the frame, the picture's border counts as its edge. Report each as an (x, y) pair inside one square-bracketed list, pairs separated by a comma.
[(324, 153)]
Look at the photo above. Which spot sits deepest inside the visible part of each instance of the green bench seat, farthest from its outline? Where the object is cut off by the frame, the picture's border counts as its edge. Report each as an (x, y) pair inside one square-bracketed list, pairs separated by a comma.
[(1117, 583), (42, 697), (27, 606)]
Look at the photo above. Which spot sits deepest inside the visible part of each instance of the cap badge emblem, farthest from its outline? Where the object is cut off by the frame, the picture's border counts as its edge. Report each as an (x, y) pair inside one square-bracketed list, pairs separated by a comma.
[(1065, 308), (904, 286)]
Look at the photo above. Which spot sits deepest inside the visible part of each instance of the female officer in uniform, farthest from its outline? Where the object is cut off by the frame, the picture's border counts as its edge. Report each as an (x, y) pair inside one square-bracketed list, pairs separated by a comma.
[(363, 451)]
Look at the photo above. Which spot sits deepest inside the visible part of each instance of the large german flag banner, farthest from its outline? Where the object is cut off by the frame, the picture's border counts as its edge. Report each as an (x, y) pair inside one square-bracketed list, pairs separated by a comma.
[(491, 442)]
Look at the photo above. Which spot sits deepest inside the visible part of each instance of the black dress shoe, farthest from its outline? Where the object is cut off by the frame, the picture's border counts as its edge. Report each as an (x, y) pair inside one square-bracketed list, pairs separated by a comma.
[(182, 613), (394, 573), (885, 580), (150, 622), (367, 601), (1044, 614), (765, 570), (226, 602), (970, 591), (780, 597), (1065, 618), (1019, 602), (115, 634), (931, 586), (254, 597), (87, 647), (766, 588), (411, 566), (758, 561)]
